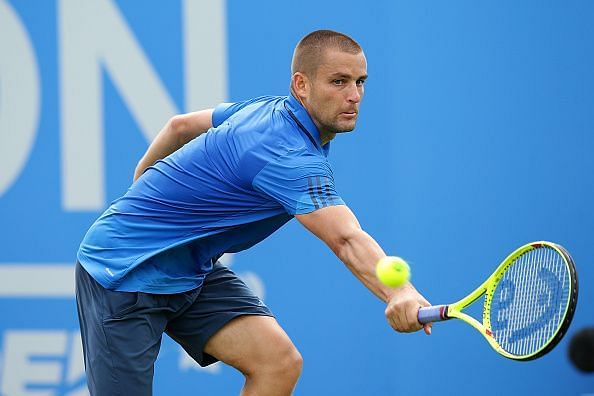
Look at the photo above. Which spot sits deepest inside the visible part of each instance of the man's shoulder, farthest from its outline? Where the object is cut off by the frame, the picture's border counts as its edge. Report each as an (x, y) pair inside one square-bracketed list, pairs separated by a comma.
[(270, 128), (300, 161), (266, 103), (264, 113), (244, 111), (284, 153)]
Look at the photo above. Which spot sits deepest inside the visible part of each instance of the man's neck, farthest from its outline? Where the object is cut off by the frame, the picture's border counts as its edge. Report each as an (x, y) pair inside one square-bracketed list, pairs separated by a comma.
[(325, 137)]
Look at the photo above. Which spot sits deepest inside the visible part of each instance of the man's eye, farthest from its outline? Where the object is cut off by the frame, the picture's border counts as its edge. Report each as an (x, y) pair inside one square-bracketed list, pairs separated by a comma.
[(360, 82), (338, 82)]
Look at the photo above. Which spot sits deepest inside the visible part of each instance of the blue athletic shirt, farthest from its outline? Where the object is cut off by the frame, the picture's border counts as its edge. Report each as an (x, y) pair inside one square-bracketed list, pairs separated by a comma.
[(223, 192)]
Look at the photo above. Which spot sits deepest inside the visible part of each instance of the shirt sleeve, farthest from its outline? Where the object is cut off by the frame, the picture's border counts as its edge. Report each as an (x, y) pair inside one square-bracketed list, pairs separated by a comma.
[(299, 185)]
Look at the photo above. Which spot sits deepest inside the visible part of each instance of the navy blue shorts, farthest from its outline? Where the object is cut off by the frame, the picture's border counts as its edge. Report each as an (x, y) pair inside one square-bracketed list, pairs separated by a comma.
[(121, 331)]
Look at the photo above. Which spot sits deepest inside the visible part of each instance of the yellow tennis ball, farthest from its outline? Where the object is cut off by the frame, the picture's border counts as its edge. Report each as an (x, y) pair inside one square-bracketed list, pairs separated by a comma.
[(392, 271)]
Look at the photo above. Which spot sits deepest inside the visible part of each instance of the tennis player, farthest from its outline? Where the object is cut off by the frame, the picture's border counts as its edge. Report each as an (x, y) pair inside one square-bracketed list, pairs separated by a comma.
[(215, 181)]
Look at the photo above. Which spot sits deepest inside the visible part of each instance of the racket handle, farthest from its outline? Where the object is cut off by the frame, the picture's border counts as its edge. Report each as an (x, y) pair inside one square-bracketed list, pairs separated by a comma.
[(435, 313)]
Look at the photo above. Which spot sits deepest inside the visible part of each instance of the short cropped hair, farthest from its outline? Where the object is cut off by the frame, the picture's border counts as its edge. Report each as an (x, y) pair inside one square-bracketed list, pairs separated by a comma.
[(309, 51)]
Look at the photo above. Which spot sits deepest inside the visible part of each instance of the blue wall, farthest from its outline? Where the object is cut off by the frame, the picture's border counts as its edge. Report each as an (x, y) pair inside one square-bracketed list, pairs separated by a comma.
[(475, 137)]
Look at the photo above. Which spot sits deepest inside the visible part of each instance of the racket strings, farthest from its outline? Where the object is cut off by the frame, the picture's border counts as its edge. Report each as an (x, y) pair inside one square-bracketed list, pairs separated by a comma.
[(530, 300)]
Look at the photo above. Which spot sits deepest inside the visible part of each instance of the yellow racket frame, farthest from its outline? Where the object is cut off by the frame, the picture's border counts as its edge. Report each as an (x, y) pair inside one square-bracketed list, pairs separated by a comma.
[(488, 289)]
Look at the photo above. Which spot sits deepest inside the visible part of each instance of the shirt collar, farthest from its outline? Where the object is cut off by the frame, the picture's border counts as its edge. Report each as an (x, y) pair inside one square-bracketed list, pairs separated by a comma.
[(305, 123)]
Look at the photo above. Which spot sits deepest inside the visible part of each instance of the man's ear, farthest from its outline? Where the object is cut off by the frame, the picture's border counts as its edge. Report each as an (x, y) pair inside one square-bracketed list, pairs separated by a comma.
[(300, 85)]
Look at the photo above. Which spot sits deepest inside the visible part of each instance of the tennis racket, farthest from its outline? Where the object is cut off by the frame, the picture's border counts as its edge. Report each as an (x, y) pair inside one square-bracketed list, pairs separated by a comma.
[(529, 302)]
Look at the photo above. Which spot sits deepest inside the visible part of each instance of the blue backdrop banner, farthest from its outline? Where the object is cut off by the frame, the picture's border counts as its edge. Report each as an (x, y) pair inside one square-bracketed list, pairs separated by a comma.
[(475, 137)]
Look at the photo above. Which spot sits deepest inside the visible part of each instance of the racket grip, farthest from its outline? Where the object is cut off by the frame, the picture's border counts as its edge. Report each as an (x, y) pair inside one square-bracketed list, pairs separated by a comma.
[(435, 313)]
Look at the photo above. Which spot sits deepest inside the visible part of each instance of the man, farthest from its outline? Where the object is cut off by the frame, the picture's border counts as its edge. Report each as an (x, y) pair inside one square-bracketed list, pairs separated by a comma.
[(149, 264)]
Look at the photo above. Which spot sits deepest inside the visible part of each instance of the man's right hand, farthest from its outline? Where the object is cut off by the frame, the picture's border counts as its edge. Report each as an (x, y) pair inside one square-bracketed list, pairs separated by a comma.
[(403, 309)]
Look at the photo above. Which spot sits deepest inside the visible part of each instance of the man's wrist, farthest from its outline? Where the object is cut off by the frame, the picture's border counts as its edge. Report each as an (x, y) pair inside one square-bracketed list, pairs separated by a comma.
[(398, 292)]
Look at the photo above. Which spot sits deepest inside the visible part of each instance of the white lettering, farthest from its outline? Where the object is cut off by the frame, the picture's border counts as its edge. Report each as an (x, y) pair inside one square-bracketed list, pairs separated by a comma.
[(47, 280), (94, 35), (19, 96), (59, 367), (19, 368), (205, 41)]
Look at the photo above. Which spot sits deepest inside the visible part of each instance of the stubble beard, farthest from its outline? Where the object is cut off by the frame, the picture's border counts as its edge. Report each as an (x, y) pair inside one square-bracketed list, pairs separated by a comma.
[(337, 128)]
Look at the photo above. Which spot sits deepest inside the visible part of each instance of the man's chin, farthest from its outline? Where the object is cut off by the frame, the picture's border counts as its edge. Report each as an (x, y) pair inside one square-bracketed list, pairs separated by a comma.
[(345, 128), (339, 127)]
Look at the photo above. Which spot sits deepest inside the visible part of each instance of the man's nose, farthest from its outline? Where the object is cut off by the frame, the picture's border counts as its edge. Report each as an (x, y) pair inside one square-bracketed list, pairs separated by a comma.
[(355, 93)]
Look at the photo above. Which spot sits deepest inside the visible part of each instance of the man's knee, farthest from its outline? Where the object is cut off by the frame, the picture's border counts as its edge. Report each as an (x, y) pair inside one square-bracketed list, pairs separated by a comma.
[(291, 362), (259, 348), (281, 358)]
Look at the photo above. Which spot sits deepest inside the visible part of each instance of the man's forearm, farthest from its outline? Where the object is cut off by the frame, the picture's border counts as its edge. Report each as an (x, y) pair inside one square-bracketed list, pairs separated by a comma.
[(360, 253), (338, 227)]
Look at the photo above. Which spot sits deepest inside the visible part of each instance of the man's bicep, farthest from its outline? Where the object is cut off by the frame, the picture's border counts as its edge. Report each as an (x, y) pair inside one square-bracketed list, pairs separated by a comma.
[(194, 123), (332, 224)]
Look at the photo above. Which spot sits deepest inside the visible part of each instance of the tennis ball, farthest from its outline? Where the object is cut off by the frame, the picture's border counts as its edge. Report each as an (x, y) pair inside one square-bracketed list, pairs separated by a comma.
[(392, 271)]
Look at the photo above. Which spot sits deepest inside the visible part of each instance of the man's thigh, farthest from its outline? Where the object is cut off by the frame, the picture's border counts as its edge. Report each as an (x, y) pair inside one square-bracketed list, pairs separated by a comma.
[(223, 299), (251, 344)]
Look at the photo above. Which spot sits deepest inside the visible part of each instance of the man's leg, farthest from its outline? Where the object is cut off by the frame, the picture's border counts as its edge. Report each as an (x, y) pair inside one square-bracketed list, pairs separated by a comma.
[(121, 334), (259, 348), (226, 321)]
